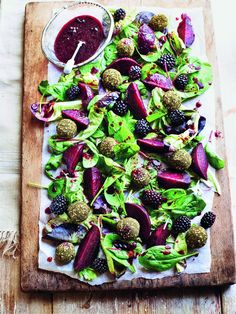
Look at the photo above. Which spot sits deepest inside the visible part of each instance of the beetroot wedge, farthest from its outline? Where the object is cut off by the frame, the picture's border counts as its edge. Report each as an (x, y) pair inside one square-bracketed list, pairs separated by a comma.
[(172, 179), (92, 182), (123, 65), (153, 145), (72, 156), (141, 215), (158, 80), (86, 94), (78, 116), (146, 39), (158, 236), (88, 249), (199, 161), (185, 30), (135, 102)]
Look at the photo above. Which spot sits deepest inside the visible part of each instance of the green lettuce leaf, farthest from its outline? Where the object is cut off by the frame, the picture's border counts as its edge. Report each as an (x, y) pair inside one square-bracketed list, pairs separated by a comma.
[(88, 274), (157, 259), (53, 163), (181, 203), (213, 158), (58, 90)]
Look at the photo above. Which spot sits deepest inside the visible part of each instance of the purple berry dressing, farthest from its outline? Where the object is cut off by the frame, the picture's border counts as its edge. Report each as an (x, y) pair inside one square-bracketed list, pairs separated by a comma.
[(81, 28)]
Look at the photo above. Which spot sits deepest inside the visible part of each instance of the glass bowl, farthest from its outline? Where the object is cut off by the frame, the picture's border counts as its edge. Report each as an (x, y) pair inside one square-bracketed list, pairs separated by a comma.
[(67, 13)]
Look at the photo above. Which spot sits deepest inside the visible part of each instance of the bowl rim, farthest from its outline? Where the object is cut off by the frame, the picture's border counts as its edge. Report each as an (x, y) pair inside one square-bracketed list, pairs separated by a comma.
[(97, 53)]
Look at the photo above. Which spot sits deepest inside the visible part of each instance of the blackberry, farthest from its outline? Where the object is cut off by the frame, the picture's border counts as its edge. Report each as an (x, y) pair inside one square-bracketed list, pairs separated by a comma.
[(119, 15), (59, 205), (135, 72), (176, 117), (124, 246), (181, 81), (152, 198), (73, 93), (181, 224), (208, 219), (120, 108), (166, 61), (142, 128), (100, 265)]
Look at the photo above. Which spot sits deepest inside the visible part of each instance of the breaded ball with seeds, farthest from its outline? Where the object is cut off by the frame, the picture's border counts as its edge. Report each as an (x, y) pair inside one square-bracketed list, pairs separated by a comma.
[(111, 79), (196, 237), (128, 228), (66, 128), (78, 211), (171, 100), (65, 252), (106, 147), (125, 47), (158, 22), (180, 160), (140, 177)]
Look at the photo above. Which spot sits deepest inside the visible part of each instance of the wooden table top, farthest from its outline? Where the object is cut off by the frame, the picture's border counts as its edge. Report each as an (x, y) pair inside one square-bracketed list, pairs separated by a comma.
[(204, 300)]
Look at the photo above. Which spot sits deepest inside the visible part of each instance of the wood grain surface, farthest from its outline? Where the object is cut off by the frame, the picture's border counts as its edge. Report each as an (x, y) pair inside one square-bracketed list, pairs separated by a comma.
[(35, 69)]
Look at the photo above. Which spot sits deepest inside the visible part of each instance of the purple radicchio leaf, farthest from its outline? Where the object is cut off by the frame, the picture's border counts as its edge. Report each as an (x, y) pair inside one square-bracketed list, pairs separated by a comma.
[(50, 111), (158, 80), (185, 30)]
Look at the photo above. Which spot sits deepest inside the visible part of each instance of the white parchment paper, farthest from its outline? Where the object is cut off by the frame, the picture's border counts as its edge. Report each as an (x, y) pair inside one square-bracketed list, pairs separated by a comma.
[(199, 264)]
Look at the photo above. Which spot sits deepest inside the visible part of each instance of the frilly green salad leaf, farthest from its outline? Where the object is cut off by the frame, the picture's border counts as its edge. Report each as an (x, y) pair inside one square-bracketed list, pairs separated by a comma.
[(118, 256), (88, 274), (158, 258), (58, 90), (53, 163), (56, 188), (58, 146)]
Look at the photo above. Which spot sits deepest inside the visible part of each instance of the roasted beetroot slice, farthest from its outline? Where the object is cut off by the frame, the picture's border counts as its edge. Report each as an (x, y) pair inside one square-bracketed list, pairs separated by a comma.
[(72, 156), (199, 161), (123, 65), (141, 215), (135, 102), (153, 145), (86, 94), (185, 30), (92, 182), (158, 236), (108, 99), (78, 116), (88, 249), (146, 39), (158, 80), (170, 179)]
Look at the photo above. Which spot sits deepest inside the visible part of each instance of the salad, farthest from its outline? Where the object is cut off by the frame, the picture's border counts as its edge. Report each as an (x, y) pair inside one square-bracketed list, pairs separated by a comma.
[(128, 156)]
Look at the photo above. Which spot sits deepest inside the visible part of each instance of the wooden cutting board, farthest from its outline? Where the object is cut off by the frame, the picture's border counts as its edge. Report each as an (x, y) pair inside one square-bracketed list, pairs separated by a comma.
[(35, 69)]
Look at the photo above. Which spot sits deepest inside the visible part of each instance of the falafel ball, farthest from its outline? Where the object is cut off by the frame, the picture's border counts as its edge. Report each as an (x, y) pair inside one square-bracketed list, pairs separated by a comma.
[(196, 237), (66, 128), (106, 147), (125, 47), (180, 160), (171, 100), (158, 22), (78, 211), (111, 79), (65, 252), (140, 177), (128, 228)]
